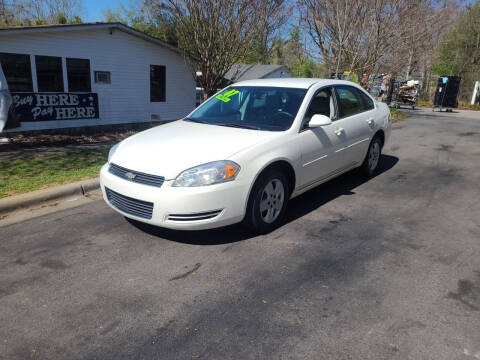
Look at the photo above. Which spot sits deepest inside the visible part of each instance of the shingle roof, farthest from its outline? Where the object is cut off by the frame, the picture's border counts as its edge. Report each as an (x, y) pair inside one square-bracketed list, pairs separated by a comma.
[(241, 72)]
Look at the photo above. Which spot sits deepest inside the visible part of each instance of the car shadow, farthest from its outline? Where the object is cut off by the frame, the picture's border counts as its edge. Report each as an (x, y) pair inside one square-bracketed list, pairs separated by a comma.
[(342, 185), (445, 111), (297, 207)]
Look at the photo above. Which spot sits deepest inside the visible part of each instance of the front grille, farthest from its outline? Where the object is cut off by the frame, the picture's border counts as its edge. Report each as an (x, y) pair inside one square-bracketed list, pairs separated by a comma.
[(135, 207), (194, 217), (136, 176)]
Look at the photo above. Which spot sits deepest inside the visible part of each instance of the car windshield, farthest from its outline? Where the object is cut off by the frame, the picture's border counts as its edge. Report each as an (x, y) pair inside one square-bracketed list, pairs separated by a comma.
[(251, 107)]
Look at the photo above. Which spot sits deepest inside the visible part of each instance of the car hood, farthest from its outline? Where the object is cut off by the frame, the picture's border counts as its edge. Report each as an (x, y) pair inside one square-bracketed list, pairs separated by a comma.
[(167, 150)]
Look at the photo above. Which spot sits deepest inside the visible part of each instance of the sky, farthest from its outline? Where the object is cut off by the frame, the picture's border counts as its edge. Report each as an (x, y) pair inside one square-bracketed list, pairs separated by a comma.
[(92, 9)]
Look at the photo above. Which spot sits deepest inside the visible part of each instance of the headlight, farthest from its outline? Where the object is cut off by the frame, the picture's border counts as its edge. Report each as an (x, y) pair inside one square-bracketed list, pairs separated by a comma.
[(208, 174), (112, 151)]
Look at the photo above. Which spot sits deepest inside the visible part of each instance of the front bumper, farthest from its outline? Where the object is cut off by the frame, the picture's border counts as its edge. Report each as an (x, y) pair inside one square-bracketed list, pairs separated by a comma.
[(230, 198)]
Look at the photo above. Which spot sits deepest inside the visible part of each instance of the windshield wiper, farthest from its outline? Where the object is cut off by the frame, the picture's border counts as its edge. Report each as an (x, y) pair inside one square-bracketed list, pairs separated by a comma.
[(194, 120), (241, 126)]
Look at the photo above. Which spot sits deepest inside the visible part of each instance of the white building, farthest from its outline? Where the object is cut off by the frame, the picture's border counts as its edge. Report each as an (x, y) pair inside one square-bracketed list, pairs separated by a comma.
[(64, 76)]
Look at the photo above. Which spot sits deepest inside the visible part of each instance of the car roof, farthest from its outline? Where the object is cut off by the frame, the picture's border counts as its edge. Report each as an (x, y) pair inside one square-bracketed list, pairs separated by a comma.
[(300, 83)]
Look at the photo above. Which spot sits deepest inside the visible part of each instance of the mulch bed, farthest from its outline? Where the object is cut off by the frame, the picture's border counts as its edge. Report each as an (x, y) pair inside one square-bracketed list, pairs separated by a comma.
[(21, 141), (83, 136)]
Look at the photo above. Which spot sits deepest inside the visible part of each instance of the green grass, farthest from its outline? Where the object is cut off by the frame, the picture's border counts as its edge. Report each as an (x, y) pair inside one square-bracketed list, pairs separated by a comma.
[(21, 176), (465, 105), (398, 115)]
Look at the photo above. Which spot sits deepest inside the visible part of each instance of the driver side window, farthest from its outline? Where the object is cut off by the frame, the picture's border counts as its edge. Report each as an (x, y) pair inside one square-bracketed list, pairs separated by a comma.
[(322, 103)]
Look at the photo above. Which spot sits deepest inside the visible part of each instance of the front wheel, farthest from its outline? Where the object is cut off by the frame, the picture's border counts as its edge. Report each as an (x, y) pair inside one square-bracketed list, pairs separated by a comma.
[(268, 202), (370, 164)]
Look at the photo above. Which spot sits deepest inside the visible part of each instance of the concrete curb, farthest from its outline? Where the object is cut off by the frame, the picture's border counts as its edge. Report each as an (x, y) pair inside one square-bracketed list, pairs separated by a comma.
[(16, 202)]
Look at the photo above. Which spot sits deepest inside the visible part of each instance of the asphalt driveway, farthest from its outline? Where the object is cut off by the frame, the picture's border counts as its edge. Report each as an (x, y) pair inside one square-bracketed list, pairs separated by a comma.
[(384, 269)]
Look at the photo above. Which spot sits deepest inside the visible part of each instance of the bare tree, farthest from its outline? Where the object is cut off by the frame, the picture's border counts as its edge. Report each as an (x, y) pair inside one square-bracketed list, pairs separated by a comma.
[(364, 36), (217, 33), (27, 12), (331, 24), (9, 13), (272, 16)]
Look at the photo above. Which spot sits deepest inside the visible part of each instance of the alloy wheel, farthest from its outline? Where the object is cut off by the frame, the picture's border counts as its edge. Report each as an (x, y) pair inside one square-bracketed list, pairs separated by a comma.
[(271, 203), (373, 155)]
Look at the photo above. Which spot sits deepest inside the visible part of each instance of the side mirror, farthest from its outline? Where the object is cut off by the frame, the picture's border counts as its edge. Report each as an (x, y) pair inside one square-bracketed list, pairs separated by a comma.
[(319, 120)]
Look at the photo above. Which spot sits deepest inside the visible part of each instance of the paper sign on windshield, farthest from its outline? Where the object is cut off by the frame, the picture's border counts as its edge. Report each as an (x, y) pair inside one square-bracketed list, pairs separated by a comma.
[(226, 97)]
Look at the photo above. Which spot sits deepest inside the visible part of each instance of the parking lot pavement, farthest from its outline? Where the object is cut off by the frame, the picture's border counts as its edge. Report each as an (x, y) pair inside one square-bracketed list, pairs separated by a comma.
[(429, 112), (384, 269)]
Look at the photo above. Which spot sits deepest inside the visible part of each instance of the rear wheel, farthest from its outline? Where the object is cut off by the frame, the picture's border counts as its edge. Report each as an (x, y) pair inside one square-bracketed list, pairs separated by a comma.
[(268, 202), (370, 164)]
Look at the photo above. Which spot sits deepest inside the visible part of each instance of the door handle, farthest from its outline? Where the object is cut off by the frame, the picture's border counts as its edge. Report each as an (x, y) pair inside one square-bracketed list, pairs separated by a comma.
[(339, 131), (369, 121)]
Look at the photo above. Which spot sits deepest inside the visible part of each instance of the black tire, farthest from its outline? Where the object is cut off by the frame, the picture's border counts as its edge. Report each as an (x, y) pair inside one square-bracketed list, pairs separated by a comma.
[(369, 168), (255, 218)]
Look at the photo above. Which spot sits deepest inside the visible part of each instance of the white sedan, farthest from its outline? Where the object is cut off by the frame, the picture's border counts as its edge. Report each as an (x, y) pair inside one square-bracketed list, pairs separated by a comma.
[(244, 153)]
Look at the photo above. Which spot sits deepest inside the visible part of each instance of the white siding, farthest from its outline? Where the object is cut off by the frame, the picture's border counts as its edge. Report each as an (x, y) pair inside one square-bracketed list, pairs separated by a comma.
[(128, 58)]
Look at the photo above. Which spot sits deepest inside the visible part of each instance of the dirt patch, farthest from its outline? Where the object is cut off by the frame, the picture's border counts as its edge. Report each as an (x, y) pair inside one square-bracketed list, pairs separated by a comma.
[(53, 264), (468, 293), (468, 133), (444, 147)]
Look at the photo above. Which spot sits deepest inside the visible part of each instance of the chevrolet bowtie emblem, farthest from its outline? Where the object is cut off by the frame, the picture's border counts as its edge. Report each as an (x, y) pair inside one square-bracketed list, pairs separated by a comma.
[(130, 175)]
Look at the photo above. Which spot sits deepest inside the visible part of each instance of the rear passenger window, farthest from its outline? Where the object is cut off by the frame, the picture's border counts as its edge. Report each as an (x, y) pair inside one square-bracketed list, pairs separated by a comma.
[(367, 101), (349, 101)]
